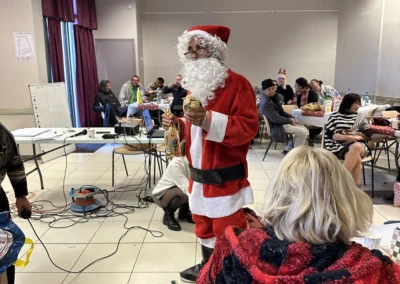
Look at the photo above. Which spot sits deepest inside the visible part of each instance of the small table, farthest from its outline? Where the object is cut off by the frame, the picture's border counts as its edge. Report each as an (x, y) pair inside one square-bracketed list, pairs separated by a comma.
[(63, 138)]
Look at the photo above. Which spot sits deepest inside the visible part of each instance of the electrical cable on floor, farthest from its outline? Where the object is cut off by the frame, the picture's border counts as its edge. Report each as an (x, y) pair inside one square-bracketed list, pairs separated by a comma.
[(108, 209)]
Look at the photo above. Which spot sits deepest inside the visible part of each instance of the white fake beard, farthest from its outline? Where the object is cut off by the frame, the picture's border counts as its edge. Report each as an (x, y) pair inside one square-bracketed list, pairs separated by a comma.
[(201, 77)]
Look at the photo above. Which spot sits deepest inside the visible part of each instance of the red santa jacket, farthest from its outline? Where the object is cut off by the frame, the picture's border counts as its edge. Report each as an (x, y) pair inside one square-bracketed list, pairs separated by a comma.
[(233, 125)]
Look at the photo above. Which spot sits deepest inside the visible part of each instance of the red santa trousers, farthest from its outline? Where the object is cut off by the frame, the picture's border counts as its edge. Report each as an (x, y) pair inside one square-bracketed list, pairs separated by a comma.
[(209, 228)]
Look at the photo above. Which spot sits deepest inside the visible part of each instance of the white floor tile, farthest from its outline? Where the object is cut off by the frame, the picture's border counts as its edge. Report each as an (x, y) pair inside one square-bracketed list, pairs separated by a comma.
[(93, 166), (254, 166), (86, 174), (155, 278), (40, 228), (63, 255), (104, 159), (123, 261), (80, 233), (258, 196), (111, 232), (98, 278), (186, 235), (257, 174), (259, 183), (166, 257), (40, 278)]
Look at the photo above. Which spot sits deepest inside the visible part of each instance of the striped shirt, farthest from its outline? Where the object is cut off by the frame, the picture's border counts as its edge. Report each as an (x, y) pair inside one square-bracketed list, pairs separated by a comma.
[(339, 122)]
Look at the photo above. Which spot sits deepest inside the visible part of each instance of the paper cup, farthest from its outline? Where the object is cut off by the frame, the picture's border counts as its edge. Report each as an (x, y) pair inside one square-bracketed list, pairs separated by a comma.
[(371, 239), (92, 133)]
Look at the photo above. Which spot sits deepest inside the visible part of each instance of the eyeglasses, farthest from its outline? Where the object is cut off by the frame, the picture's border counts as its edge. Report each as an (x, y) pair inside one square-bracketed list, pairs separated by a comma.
[(189, 54)]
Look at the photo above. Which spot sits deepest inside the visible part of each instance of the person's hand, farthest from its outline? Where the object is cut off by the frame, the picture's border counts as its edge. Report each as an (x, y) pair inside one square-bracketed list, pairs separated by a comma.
[(293, 121), (290, 102), (353, 138), (196, 118), (167, 121), (23, 203), (172, 85)]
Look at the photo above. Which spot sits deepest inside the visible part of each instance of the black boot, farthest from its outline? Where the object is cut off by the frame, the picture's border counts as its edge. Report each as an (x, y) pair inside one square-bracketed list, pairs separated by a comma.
[(190, 274), (185, 214), (170, 221)]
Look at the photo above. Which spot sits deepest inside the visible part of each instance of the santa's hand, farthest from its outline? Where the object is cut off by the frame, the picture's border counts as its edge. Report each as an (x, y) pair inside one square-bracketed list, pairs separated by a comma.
[(196, 118), (167, 121)]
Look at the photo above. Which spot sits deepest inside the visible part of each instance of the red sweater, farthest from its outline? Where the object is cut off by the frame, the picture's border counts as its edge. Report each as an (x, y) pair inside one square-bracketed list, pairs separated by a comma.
[(258, 256)]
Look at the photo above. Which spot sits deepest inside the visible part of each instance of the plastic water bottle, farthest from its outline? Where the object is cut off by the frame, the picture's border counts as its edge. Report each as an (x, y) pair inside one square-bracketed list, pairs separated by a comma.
[(158, 95), (348, 91), (366, 99)]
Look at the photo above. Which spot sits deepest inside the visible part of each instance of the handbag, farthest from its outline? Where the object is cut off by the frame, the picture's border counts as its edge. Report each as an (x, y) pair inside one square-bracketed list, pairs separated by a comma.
[(12, 239), (380, 121)]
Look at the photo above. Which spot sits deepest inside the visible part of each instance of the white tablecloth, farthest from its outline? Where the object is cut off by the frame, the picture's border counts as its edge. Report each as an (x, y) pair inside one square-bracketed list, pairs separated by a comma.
[(133, 108), (320, 121)]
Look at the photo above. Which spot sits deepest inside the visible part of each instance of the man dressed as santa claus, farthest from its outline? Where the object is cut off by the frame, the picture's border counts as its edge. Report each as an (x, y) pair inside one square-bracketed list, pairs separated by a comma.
[(218, 134)]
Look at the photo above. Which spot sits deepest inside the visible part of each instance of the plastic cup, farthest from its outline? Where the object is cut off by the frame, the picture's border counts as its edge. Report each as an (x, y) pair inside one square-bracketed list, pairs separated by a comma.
[(371, 239)]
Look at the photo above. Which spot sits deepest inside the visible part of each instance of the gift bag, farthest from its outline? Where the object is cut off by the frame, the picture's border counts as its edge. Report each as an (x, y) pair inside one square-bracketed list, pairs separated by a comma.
[(171, 140), (395, 246)]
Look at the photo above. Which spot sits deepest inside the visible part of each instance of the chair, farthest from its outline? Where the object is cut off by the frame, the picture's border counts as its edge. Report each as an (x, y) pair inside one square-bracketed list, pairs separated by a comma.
[(390, 102), (363, 161), (268, 131)]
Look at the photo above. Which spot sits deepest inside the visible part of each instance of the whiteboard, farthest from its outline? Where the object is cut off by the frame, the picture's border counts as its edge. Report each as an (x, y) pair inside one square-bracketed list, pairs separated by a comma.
[(50, 107)]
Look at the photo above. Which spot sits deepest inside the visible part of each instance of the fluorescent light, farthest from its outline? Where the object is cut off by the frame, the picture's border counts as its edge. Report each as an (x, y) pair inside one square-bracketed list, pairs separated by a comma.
[(304, 11), (171, 13), (242, 12)]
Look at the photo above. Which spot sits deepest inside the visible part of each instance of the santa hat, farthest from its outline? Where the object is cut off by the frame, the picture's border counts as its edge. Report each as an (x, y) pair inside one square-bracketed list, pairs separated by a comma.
[(211, 31), (218, 37)]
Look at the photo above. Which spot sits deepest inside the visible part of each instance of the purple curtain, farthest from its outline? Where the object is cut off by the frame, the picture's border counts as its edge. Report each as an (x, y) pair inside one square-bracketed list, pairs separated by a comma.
[(86, 76), (87, 13), (62, 10), (55, 47)]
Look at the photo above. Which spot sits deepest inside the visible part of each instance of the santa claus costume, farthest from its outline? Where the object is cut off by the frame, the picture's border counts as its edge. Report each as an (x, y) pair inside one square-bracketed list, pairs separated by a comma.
[(218, 187)]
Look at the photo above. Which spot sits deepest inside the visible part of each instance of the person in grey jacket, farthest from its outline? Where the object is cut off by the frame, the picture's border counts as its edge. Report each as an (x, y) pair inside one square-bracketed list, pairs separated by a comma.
[(280, 121), (131, 92)]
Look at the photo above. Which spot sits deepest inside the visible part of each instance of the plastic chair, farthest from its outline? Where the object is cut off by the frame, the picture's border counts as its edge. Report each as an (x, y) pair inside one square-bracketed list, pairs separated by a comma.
[(268, 131)]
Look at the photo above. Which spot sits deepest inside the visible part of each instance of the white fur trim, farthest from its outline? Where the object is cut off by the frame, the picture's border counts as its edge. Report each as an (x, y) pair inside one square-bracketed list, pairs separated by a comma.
[(210, 243), (217, 131), (196, 146), (217, 207), (201, 33)]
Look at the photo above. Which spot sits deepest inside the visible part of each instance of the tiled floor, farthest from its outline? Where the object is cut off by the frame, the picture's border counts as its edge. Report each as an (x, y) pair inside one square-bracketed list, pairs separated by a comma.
[(141, 257)]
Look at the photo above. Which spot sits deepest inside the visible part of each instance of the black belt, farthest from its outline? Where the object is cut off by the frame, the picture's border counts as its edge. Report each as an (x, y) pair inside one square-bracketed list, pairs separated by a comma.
[(218, 176)]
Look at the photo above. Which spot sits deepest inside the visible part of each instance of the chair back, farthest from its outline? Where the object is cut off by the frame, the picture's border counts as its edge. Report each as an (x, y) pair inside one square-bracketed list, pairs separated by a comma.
[(289, 108), (390, 114), (267, 126), (323, 136)]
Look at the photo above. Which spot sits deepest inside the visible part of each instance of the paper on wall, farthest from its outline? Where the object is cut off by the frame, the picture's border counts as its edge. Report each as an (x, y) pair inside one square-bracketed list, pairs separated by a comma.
[(24, 47)]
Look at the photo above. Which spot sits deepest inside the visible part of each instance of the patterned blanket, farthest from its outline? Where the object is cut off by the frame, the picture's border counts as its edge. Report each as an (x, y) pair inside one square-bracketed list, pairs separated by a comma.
[(258, 256)]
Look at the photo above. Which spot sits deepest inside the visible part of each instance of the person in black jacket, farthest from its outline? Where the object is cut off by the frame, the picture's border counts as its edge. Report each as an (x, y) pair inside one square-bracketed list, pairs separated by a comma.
[(284, 89), (304, 94), (280, 121), (106, 97), (178, 93)]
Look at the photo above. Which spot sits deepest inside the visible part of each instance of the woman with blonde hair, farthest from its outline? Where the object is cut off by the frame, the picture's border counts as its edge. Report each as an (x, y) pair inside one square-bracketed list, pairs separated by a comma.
[(312, 210)]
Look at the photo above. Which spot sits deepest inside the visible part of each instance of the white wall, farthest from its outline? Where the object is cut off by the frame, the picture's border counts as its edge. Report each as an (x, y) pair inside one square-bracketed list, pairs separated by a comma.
[(388, 83), (358, 45), (303, 43), (118, 20), (20, 16)]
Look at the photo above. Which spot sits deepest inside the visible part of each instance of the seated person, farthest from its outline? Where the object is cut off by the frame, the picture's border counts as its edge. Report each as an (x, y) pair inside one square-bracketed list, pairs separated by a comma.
[(178, 93), (279, 120), (305, 95), (322, 90), (106, 97), (312, 210), (171, 192), (284, 89), (153, 87), (132, 92), (346, 132)]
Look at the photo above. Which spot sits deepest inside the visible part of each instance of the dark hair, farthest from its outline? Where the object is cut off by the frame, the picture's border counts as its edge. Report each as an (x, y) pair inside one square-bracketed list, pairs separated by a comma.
[(302, 82), (160, 79), (135, 76), (348, 101), (317, 81), (102, 86)]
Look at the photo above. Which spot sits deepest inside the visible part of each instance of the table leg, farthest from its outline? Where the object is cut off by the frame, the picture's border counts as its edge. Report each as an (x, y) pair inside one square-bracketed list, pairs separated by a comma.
[(37, 166)]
